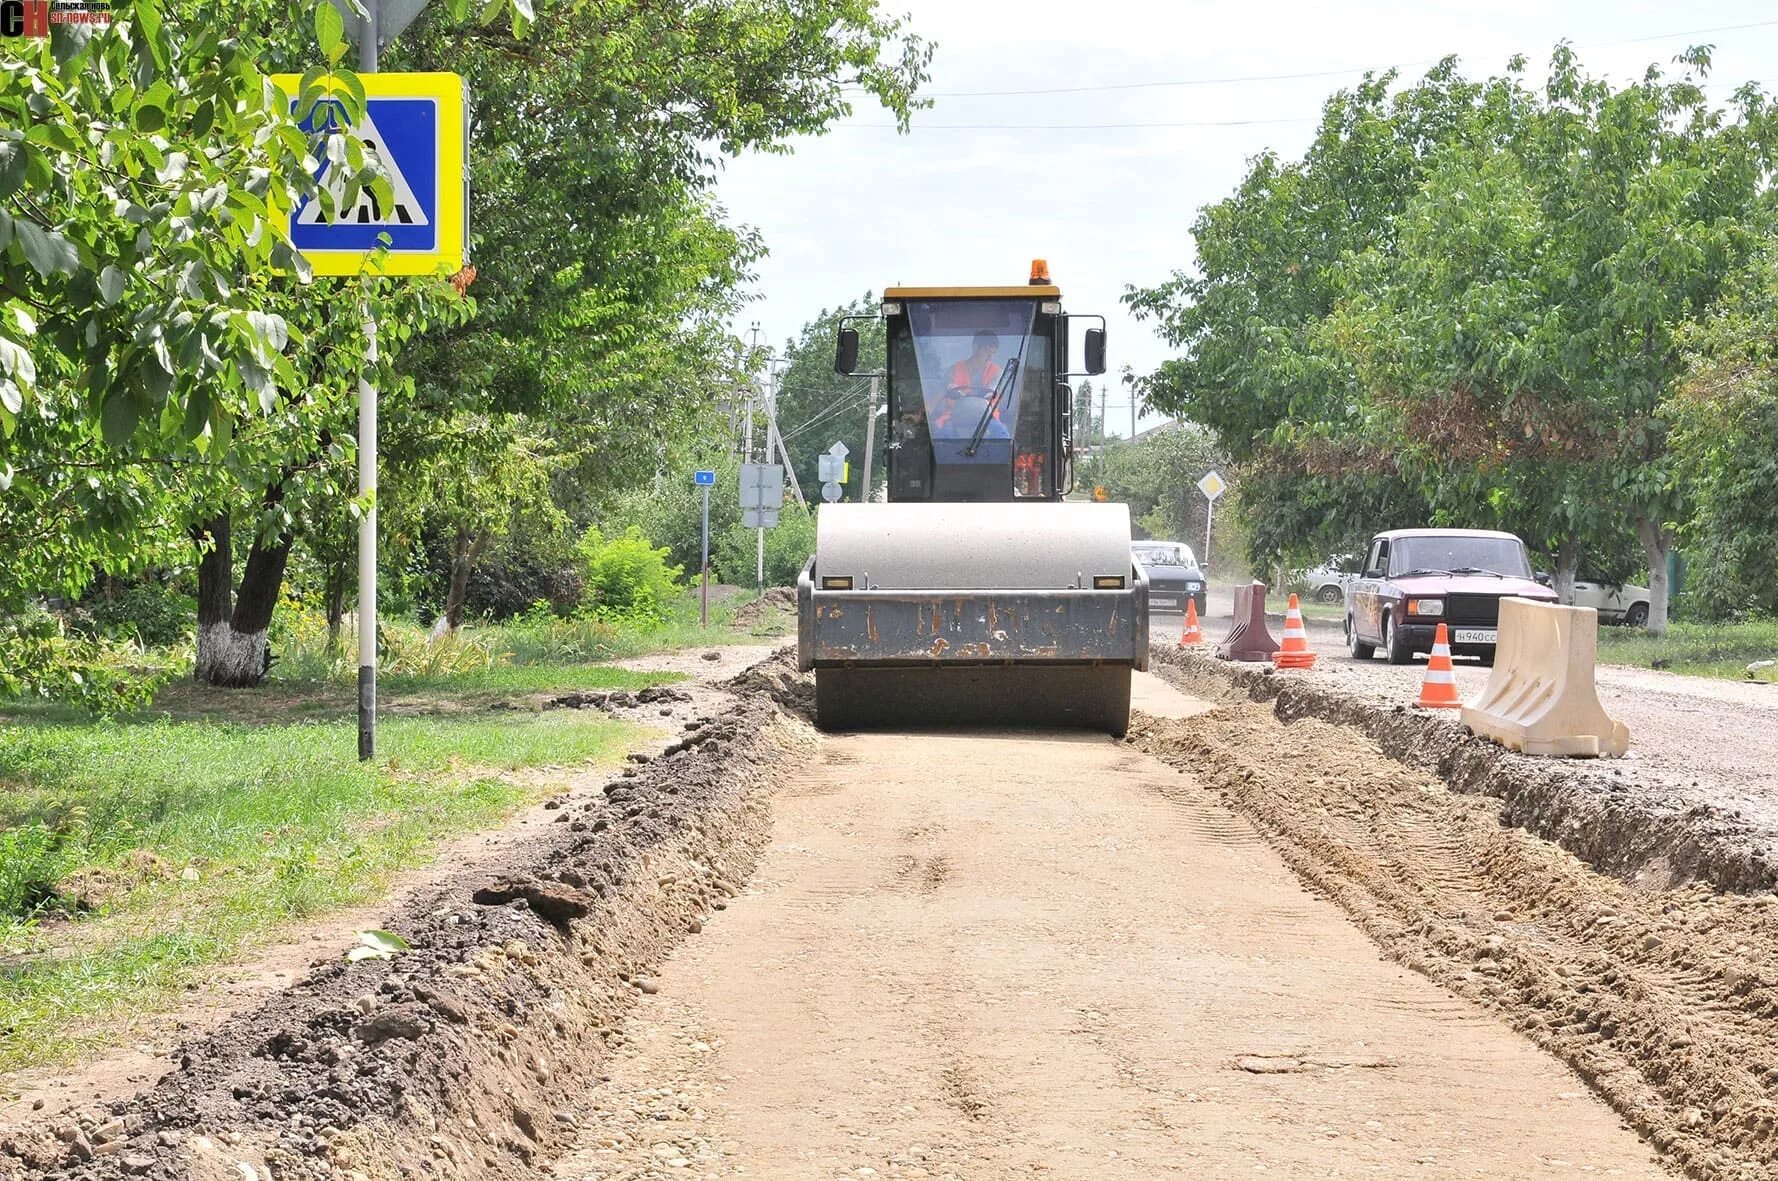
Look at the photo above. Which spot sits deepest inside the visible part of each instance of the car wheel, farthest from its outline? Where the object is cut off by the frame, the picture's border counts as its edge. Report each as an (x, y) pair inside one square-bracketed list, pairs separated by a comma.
[(1395, 646), (1637, 615), (1358, 649), (1327, 594)]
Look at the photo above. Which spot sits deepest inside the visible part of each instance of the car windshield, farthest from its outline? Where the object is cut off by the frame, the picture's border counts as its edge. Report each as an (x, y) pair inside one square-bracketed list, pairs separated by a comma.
[(1164, 555), (1459, 554)]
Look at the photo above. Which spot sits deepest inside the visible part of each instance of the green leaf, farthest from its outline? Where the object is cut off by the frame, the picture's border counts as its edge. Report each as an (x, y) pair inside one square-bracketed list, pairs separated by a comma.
[(48, 252), (378, 945), (197, 412), (148, 19), (13, 162), (330, 31), (110, 285), (118, 418)]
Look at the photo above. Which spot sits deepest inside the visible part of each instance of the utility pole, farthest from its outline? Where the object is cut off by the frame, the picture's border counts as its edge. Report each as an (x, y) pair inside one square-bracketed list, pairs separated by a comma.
[(1130, 388), (367, 474), (1104, 409), (870, 439)]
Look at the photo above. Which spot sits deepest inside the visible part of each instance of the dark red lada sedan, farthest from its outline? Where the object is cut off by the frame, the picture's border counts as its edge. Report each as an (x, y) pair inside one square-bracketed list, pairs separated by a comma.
[(1414, 579)]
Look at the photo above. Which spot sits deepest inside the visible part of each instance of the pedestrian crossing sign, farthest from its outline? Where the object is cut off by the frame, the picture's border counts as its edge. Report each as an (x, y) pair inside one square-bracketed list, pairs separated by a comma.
[(415, 127)]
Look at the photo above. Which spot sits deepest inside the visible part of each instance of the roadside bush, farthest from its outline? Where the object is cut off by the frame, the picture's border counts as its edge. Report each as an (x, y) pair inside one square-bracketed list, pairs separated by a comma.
[(539, 636), (627, 577), (33, 861), (788, 548), (40, 657), (151, 613)]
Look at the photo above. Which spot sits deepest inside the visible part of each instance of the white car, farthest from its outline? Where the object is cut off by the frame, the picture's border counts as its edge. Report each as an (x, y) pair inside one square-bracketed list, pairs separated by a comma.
[(1326, 583), (1626, 604)]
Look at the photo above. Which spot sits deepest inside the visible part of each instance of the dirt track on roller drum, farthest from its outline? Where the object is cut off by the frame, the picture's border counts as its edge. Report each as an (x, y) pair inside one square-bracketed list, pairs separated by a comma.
[(1234, 943)]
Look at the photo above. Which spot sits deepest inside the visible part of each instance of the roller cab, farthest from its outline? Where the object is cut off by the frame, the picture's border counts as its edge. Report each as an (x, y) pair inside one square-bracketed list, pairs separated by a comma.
[(976, 595)]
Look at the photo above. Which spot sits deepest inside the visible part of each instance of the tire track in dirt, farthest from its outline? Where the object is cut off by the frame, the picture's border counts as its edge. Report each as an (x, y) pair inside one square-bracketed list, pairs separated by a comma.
[(1665, 1000)]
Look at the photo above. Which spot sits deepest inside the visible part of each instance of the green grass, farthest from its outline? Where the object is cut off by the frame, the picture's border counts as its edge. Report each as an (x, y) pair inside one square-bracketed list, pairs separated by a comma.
[(1696, 649), (196, 838)]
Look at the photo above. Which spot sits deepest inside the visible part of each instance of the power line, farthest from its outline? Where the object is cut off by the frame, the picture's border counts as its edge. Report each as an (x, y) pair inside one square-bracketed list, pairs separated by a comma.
[(848, 401), (1078, 126), (1327, 73)]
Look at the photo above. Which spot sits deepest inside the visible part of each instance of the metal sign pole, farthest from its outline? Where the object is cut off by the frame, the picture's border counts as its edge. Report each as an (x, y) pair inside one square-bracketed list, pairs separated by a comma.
[(870, 441), (367, 478), (1209, 516), (704, 606)]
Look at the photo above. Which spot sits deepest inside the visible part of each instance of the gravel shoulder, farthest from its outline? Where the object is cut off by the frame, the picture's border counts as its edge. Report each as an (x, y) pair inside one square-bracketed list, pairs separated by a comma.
[(1695, 798)]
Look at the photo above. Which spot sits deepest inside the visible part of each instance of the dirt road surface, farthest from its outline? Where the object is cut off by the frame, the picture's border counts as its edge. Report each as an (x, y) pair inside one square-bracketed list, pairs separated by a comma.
[(1014, 954)]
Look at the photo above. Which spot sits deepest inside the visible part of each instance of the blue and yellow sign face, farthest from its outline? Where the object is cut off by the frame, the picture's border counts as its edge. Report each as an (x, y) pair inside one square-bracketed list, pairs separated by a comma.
[(416, 125)]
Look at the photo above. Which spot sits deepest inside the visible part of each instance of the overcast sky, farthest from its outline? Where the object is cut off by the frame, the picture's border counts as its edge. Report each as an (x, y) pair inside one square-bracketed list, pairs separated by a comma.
[(983, 184)]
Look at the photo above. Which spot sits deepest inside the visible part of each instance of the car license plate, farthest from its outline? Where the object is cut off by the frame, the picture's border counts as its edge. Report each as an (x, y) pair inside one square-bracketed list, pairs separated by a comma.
[(1474, 635)]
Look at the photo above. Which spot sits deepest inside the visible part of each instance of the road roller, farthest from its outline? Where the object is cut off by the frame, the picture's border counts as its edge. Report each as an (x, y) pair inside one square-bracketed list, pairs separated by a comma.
[(976, 593)]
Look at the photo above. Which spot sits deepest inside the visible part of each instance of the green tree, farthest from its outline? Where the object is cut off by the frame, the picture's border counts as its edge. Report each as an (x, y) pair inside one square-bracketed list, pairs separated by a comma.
[(1724, 416), (817, 406)]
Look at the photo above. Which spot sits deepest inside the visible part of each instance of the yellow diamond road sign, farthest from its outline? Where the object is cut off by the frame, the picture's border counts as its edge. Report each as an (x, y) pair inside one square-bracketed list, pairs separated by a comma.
[(1211, 486)]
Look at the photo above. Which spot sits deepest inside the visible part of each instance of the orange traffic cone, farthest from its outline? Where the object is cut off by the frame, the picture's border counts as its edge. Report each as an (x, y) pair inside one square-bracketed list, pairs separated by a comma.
[(1294, 653), (1193, 634), (1439, 690)]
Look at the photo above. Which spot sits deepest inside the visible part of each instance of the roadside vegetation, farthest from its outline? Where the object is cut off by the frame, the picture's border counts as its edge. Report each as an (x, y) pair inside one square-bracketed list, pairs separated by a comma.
[(1729, 651), (1501, 303), (140, 846)]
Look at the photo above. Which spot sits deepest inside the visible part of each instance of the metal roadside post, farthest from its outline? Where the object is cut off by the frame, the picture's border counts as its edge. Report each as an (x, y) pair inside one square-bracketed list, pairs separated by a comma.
[(1212, 486), (706, 479), (368, 36), (416, 127)]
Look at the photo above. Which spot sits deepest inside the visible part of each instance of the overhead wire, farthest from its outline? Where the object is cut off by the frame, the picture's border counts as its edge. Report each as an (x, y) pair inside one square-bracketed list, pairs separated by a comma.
[(851, 399), (1321, 73)]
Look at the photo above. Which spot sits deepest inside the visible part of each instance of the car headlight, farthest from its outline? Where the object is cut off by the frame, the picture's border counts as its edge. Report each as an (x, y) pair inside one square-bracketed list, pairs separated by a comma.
[(1426, 606)]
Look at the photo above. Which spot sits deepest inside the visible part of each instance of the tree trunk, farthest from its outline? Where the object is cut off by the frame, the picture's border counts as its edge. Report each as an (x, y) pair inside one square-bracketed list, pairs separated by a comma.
[(467, 548), (232, 647), (339, 572), (1656, 541), (1567, 567)]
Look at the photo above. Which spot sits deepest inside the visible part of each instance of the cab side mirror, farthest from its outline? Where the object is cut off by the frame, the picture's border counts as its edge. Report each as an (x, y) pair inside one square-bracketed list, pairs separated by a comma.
[(845, 359), (1095, 350)]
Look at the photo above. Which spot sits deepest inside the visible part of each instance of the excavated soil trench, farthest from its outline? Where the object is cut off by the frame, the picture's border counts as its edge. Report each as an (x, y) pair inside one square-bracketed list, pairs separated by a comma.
[(1001, 954), (1665, 1000), (455, 1058)]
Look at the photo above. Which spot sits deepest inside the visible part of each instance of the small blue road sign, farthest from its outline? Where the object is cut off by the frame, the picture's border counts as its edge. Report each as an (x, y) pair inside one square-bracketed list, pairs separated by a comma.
[(414, 125), (706, 479)]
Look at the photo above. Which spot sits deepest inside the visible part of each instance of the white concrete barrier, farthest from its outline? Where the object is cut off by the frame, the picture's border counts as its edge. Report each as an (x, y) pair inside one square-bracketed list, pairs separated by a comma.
[(1540, 698)]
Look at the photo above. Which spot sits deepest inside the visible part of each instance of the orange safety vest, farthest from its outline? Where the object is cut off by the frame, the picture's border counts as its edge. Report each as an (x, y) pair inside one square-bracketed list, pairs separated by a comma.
[(960, 380)]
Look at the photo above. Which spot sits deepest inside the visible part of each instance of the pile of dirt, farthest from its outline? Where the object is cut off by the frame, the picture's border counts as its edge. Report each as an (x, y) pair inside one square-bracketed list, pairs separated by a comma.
[(614, 700), (770, 612), (1590, 807), (458, 1057), (1666, 1001)]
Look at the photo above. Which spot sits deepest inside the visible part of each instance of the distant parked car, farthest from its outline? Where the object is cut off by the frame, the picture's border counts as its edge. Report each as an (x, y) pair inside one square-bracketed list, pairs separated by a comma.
[(1624, 604), (1173, 574), (1414, 579), (1326, 583), (1615, 603)]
